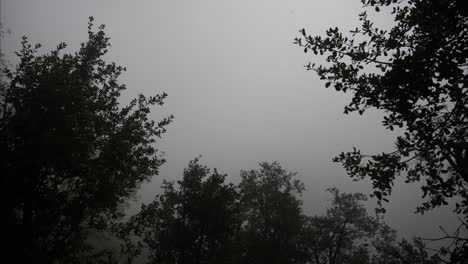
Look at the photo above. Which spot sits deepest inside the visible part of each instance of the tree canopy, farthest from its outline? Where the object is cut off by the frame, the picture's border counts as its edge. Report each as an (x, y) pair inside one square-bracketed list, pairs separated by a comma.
[(203, 219), (70, 154), (339, 235), (416, 73), (195, 221), (272, 213)]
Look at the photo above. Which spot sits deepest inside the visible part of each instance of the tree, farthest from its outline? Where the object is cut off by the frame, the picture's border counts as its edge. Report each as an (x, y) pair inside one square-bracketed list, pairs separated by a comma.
[(416, 73), (202, 219), (272, 215), (70, 154), (196, 221), (347, 234), (341, 235), (389, 250)]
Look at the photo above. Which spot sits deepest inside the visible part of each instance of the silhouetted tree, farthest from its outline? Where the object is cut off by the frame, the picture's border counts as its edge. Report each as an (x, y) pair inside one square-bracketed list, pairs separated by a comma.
[(388, 249), (416, 73), (70, 155), (346, 234), (196, 221), (201, 219), (343, 234), (272, 215)]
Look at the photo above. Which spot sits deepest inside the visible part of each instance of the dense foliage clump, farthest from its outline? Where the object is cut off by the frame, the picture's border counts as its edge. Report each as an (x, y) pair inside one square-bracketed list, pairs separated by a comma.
[(416, 72), (70, 155), (202, 219)]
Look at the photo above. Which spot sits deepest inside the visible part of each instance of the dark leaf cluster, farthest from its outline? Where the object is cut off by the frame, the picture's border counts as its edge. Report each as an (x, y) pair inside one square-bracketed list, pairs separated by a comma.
[(70, 154), (416, 73)]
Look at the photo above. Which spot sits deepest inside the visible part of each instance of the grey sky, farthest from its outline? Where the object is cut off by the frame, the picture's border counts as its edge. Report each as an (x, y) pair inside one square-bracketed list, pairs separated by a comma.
[(236, 83)]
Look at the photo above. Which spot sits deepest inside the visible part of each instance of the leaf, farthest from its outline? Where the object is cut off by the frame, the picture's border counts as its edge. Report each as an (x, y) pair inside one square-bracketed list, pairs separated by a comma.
[(378, 195)]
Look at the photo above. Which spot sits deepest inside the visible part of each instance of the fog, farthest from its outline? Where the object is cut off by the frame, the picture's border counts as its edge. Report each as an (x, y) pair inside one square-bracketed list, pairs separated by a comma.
[(237, 87)]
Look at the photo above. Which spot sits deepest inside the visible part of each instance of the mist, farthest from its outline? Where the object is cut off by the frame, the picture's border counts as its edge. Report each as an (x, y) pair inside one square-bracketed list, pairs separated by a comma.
[(237, 88)]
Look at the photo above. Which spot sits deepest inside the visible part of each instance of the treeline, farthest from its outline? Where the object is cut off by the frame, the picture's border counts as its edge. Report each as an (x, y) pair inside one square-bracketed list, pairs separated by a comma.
[(204, 219)]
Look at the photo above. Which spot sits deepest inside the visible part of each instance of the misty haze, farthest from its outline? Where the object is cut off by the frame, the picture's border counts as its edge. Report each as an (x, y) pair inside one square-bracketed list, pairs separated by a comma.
[(221, 131)]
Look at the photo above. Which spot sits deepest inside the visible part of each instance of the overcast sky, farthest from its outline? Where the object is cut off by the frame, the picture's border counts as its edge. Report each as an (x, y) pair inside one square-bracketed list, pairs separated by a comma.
[(237, 87)]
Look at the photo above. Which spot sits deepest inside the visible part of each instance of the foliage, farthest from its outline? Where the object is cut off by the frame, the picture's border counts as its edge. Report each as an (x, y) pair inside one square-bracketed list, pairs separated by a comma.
[(272, 214), (416, 73), (202, 219), (347, 234), (388, 250), (340, 236), (70, 154), (3, 65), (197, 222)]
